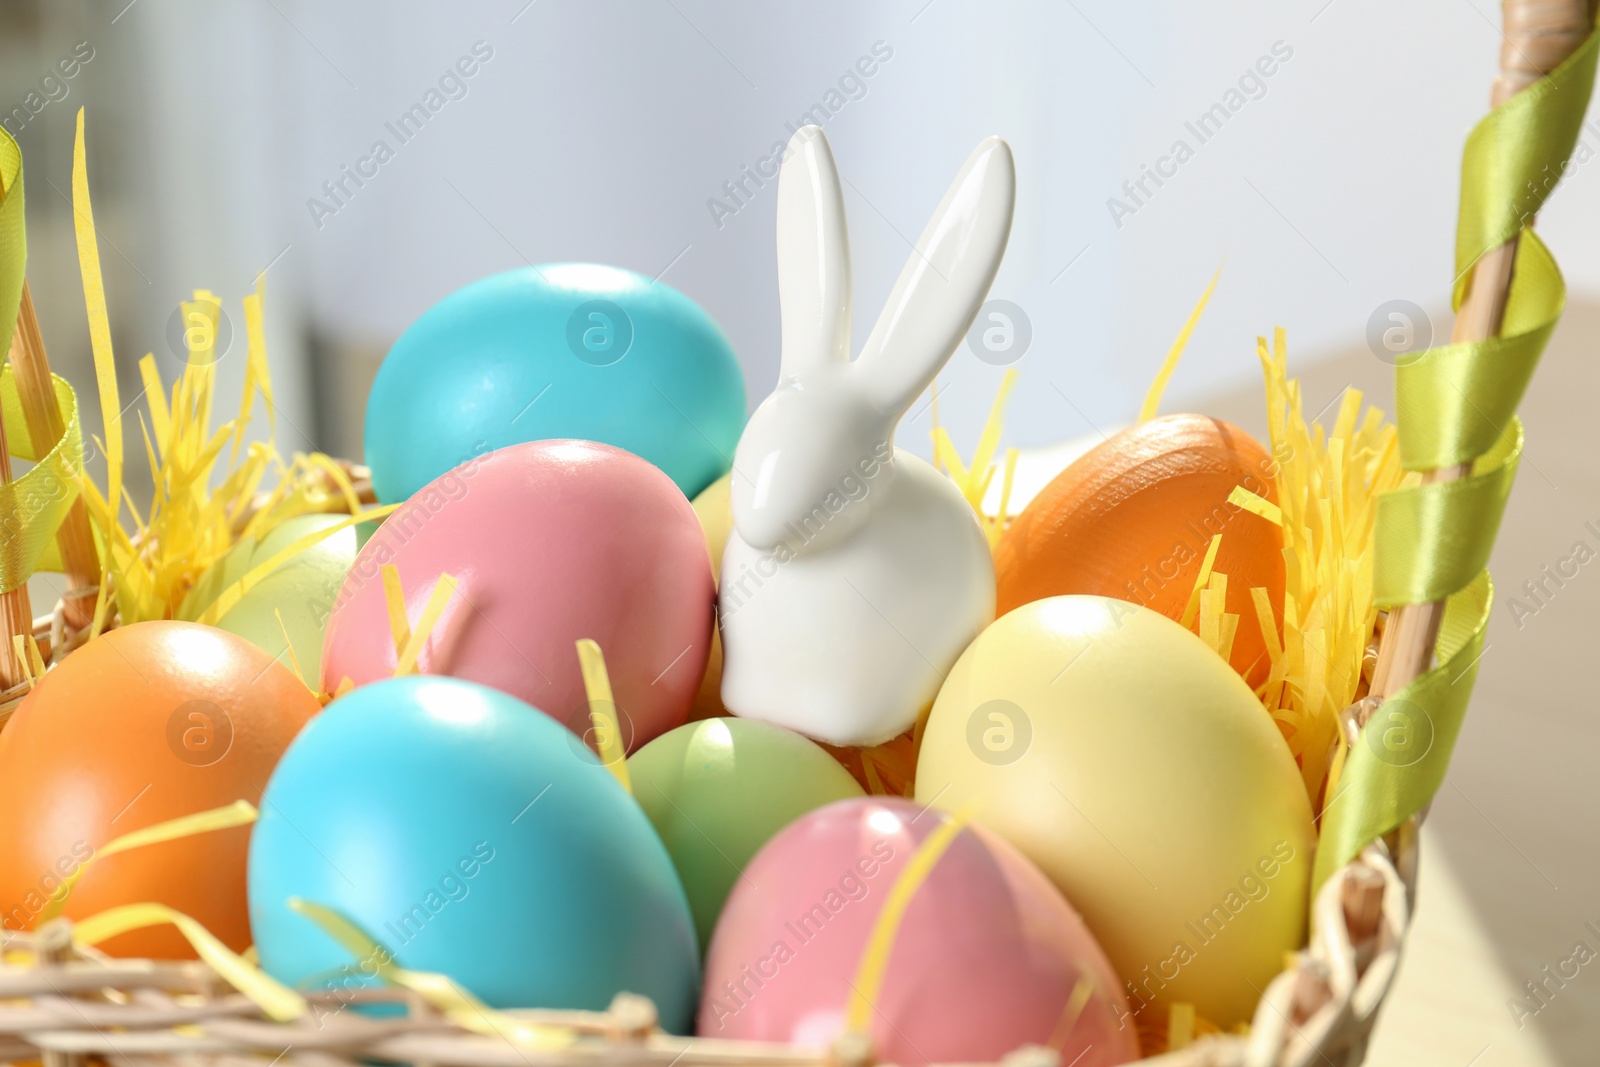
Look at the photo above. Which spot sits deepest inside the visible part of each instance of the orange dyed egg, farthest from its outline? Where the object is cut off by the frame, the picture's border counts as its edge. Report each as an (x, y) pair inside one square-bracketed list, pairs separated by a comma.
[(1132, 519), (141, 725)]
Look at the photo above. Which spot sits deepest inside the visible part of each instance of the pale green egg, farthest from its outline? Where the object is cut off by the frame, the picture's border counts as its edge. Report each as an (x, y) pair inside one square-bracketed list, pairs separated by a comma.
[(302, 590)]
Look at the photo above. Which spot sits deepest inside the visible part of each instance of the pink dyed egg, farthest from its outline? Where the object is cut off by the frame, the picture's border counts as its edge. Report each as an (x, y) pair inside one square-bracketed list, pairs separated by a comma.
[(550, 541), (988, 957)]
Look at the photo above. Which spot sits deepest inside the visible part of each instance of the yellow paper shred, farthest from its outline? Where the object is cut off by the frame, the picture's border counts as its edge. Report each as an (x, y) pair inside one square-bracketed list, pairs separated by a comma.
[(875, 785), (1244, 498), (1266, 623), (1212, 599), (889, 769), (603, 711), (288, 644), (231, 596), (201, 504), (35, 658), (1230, 627), (394, 598), (1215, 625), (1006, 480), (1201, 581), (340, 481), (1082, 990), (19, 648), (1180, 1027), (1328, 484), (276, 1000), (432, 611), (973, 480), (191, 525), (105, 366), (239, 813), (875, 958), (160, 417), (1158, 388), (1175, 1027), (257, 378)]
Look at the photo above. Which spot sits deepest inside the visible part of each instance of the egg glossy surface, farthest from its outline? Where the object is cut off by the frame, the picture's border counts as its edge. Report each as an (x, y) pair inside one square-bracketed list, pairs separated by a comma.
[(987, 958), (713, 507), (561, 350), (301, 590), (718, 790), (1133, 518), (142, 724), (472, 836), (550, 542), (1128, 761)]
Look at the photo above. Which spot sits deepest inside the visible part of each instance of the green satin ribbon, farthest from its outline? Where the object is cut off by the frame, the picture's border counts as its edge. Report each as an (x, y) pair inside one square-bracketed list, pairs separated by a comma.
[(1434, 539), (13, 237), (33, 506), (1456, 405), (1456, 402)]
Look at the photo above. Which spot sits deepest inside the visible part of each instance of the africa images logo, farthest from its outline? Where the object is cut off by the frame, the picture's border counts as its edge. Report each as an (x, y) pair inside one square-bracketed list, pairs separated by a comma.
[(850, 887), (453, 84), (1251, 85), (739, 190)]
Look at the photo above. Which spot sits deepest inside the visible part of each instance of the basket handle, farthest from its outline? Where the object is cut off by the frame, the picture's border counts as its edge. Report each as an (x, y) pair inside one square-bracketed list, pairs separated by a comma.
[(16, 609), (1539, 34), (31, 367)]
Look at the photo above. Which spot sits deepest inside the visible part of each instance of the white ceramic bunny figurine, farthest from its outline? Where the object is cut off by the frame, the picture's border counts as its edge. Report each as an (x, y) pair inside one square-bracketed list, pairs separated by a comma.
[(856, 573)]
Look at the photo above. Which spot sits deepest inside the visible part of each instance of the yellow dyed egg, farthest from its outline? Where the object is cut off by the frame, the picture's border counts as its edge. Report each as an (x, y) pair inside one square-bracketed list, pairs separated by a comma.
[(1128, 761), (714, 508), (301, 590)]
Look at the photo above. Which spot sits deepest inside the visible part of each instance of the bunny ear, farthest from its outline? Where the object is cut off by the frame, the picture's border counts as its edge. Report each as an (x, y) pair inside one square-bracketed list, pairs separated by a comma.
[(813, 256), (944, 281)]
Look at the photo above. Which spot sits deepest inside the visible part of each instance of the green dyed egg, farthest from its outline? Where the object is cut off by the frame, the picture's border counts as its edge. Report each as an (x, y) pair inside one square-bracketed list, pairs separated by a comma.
[(719, 789), (302, 590)]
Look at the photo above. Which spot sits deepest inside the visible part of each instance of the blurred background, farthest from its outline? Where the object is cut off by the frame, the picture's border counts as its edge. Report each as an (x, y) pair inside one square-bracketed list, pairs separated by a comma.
[(221, 137)]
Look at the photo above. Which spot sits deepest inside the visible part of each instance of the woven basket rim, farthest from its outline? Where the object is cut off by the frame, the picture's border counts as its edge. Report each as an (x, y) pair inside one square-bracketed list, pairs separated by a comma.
[(1320, 1010)]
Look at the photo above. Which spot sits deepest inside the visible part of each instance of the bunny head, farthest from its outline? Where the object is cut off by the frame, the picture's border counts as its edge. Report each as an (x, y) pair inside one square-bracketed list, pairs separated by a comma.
[(819, 451)]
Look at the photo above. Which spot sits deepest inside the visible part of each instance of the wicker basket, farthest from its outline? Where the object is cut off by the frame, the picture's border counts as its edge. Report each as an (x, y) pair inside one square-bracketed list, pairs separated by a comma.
[(65, 1004)]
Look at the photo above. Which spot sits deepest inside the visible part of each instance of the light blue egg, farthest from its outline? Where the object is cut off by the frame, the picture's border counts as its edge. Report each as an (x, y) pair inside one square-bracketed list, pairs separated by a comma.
[(470, 835), (564, 350)]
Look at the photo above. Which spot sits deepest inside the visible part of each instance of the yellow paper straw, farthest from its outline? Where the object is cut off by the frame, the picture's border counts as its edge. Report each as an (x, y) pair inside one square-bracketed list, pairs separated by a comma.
[(875, 960), (603, 711), (1152, 399), (1200, 580), (239, 813), (1244, 498), (438, 600), (277, 1000), (394, 598), (234, 593), (105, 366)]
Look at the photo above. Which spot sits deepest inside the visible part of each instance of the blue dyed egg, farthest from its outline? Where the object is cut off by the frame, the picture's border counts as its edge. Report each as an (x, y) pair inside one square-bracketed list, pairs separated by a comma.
[(564, 350), (474, 836)]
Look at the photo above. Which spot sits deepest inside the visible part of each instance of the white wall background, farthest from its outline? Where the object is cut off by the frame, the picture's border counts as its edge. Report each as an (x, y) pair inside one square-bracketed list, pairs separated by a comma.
[(599, 130)]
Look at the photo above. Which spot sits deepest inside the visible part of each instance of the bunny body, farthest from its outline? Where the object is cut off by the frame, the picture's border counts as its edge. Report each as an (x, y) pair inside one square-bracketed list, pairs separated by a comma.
[(848, 643), (856, 573)]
